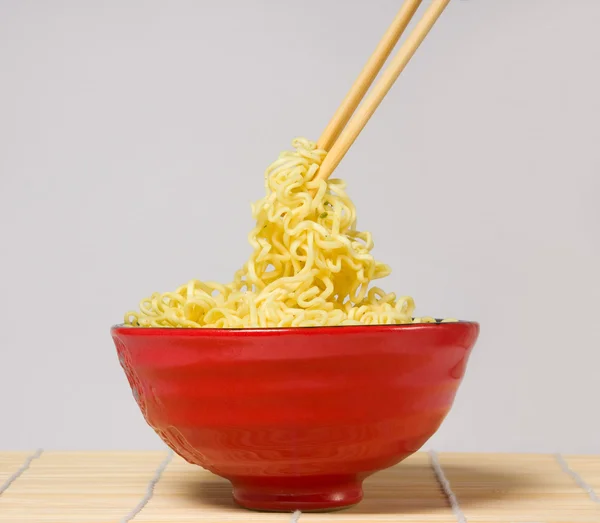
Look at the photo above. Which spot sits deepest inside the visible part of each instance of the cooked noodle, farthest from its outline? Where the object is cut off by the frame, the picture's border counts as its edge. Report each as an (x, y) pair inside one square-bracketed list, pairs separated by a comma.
[(310, 266)]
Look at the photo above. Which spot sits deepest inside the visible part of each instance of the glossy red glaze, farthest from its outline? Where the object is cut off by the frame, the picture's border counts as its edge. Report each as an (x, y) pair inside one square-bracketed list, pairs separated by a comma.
[(296, 418)]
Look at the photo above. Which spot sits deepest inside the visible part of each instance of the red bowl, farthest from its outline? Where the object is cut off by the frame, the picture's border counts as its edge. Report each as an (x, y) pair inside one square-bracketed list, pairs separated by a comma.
[(296, 418)]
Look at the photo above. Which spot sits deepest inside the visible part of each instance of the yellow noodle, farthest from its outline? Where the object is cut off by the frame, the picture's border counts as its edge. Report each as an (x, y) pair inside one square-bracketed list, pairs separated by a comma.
[(309, 265)]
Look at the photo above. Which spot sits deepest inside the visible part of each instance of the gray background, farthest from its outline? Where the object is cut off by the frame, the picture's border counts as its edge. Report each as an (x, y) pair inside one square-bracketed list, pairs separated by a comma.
[(134, 134)]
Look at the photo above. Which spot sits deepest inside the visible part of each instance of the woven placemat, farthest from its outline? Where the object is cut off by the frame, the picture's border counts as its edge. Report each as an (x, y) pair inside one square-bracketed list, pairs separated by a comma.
[(157, 487)]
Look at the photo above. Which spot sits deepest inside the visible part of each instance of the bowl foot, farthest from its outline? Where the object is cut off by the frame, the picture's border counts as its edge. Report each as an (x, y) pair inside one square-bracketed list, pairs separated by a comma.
[(307, 493)]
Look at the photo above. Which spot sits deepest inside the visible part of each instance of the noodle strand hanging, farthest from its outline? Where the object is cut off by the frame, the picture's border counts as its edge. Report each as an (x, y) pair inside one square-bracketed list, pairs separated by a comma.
[(309, 266)]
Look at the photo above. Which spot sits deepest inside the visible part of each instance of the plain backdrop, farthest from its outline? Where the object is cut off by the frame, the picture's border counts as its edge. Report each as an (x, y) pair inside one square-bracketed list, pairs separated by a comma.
[(134, 134)]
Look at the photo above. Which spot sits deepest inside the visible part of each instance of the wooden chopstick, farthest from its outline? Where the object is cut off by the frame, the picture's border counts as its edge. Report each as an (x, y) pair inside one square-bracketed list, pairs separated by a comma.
[(368, 74), (360, 118)]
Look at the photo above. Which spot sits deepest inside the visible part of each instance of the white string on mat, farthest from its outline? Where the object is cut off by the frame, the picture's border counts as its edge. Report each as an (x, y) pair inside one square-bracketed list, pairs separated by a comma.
[(149, 490), (577, 478), (445, 485), (23, 468), (295, 516)]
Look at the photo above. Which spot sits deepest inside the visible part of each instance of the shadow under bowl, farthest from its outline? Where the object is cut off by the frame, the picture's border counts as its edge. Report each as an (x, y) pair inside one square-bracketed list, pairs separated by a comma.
[(296, 418)]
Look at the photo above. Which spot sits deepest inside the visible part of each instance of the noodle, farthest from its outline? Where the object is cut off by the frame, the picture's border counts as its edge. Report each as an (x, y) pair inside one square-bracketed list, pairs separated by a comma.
[(309, 265)]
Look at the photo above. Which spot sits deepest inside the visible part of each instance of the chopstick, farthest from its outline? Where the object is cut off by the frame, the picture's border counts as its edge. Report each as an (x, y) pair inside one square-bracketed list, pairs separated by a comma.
[(368, 74), (362, 115)]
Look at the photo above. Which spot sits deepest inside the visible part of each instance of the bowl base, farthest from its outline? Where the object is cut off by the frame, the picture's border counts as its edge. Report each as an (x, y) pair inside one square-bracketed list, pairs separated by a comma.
[(306, 493)]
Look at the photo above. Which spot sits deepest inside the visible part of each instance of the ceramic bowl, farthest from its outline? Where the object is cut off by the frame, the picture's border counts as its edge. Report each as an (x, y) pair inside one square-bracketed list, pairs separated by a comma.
[(296, 418)]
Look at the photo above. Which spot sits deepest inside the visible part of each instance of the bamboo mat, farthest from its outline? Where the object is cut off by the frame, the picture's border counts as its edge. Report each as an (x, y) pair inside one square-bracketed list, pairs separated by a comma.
[(156, 487)]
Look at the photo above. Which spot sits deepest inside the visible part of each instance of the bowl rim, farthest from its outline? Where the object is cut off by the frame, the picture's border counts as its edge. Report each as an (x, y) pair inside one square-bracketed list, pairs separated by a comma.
[(121, 328)]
